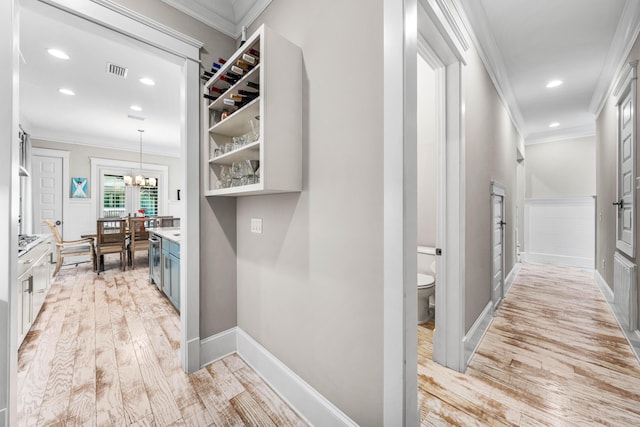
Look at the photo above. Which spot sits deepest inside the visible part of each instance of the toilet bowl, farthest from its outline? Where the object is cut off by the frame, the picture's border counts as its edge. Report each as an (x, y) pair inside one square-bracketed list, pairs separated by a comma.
[(426, 288)]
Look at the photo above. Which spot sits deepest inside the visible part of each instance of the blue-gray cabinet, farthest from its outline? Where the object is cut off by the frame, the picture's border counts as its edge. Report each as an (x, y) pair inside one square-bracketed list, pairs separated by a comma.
[(169, 267)]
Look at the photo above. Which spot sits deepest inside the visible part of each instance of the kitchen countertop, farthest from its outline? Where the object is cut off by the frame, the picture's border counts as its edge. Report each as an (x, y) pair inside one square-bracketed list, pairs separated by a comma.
[(170, 233), (41, 238)]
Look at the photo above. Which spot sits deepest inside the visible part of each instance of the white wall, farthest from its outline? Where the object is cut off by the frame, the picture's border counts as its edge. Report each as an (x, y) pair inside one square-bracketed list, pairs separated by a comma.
[(564, 168), (426, 155), (310, 288)]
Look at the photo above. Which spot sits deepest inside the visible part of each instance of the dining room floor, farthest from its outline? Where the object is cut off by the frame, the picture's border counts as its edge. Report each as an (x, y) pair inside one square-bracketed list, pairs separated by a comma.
[(553, 355), (104, 351)]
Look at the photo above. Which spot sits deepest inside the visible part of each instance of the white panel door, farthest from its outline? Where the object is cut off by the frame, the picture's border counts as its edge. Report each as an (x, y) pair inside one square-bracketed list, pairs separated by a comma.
[(47, 192), (497, 249), (625, 225)]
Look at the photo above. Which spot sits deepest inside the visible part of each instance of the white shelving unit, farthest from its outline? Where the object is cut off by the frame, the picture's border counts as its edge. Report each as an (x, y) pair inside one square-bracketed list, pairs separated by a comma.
[(276, 113)]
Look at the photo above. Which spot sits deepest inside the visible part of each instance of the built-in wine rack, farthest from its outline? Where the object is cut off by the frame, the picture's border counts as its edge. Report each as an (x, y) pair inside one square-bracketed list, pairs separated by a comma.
[(253, 119)]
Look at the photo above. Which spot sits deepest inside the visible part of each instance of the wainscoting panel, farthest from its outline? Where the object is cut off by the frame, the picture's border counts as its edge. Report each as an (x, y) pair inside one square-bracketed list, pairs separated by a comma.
[(625, 293), (560, 231)]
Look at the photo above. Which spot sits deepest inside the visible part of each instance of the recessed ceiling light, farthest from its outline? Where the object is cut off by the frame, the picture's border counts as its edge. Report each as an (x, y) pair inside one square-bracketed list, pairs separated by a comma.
[(554, 83), (147, 81), (554, 125), (58, 53), (136, 108), (66, 91)]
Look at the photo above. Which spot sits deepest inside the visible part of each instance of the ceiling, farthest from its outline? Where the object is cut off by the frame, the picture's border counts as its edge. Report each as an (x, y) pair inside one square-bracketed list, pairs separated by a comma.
[(99, 112), (526, 44)]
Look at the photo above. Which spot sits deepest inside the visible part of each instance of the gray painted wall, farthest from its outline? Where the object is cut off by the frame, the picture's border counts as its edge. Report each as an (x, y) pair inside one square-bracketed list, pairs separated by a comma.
[(217, 217), (491, 141), (310, 288), (80, 163), (547, 174), (426, 156), (606, 151)]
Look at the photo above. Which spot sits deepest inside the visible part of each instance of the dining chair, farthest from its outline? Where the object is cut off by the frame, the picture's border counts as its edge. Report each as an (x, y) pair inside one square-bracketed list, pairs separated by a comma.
[(67, 248), (112, 239), (138, 228), (168, 221)]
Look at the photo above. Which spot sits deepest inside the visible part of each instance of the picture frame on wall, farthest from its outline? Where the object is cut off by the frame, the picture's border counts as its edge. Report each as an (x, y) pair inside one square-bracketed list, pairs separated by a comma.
[(79, 188)]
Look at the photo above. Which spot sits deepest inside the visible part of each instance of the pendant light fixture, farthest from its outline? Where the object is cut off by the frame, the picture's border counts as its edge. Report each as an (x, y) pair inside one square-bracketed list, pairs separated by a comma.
[(139, 179)]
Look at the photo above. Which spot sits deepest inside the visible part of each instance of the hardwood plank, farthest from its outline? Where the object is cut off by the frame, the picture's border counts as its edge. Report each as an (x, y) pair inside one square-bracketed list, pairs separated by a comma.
[(134, 395), (225, 379), (221, 410), (250, 412), (109, 405), (278, 411), (57, 393), (82, 406)]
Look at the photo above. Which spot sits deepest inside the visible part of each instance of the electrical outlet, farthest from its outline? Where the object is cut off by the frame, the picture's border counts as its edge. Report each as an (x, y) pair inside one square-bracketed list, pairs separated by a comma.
[(256, 225)]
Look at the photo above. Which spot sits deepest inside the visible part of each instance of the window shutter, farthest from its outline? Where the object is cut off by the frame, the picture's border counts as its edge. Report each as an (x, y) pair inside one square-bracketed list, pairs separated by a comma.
[(149, 199), (114, 199)]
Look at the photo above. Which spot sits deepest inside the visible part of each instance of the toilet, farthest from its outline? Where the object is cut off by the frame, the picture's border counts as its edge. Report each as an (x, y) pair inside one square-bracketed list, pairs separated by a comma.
[(426, 288)]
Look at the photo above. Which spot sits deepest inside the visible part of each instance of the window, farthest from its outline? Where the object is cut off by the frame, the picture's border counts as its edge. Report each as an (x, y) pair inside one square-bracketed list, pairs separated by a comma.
[(149, 199), (119, 199), (114, 197)]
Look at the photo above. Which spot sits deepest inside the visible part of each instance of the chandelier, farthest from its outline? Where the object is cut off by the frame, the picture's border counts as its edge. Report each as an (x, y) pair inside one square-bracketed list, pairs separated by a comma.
[(139, 179)]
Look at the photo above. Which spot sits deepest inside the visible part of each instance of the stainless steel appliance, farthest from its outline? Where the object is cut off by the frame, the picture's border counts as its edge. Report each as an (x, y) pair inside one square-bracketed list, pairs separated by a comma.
[(155, 256)]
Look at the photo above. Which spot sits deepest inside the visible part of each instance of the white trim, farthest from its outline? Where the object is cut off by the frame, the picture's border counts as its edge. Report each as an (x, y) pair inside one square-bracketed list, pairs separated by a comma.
[(64, 155), (228, 24), (606, 291), (312, 406), (400, 369), (569, 261), (569, 133), (218, 346), (118, 18), (497, 190), (621, 45), (98, 164), (476, 332), (476, 23), (513, 274), (629, 73), (426, 250), (559, 201), (633, 337)]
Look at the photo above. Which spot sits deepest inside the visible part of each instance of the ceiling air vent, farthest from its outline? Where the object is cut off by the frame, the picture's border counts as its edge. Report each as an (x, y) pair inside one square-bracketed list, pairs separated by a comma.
[(117, 70)]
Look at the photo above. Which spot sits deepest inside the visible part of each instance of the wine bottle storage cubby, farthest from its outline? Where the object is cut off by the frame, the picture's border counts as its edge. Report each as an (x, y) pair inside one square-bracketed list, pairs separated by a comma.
[(253, 129)]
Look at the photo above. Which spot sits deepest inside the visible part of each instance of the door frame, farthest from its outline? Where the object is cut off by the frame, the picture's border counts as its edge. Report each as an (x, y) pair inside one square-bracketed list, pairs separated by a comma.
[(497, 190), (444, 34), (64, 155), (108, 14), (627, 85)]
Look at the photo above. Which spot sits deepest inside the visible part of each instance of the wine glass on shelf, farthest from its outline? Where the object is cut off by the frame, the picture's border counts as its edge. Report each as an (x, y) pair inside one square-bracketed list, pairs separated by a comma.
[(225, 177), (253, 165)]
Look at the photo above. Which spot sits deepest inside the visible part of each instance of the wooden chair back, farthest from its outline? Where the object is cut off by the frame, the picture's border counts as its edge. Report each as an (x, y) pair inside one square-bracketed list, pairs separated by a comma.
[(54, 230), (138, 227), (111, 232), (168, 221)]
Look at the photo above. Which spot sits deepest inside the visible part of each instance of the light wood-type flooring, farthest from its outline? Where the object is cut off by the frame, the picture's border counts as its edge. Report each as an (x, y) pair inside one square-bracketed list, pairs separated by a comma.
[(553, 356), (104, 351)]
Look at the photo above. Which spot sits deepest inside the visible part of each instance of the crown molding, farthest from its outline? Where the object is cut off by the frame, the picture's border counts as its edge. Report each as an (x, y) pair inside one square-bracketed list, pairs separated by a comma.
[(557, 135), (475, 20), (222, 15), (621, 45)]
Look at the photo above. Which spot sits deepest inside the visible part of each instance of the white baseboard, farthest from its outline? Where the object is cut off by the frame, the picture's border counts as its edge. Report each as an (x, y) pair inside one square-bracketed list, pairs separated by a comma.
[(3, 418), (472, 339), (314, 408), (568, 261), (511, 277), (632, 337), (217, 346)]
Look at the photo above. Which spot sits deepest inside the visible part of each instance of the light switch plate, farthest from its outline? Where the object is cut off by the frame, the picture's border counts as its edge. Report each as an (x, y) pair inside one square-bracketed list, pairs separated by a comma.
[(256, 225)]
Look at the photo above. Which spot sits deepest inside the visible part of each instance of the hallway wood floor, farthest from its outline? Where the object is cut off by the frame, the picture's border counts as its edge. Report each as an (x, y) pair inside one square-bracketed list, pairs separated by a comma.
[(553, 356), (104, 351)]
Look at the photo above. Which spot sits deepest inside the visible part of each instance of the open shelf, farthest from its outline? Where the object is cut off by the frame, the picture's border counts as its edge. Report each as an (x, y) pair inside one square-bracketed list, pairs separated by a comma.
[(247, 152)]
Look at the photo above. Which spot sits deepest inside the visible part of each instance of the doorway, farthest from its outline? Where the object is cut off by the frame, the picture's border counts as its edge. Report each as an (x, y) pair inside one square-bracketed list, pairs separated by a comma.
[(186, 53), (497, 244)]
